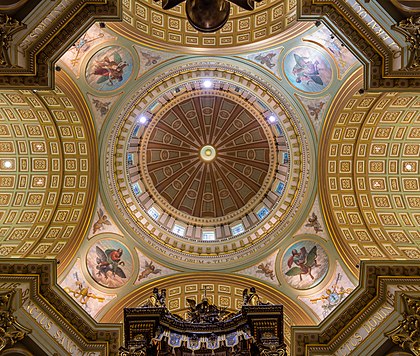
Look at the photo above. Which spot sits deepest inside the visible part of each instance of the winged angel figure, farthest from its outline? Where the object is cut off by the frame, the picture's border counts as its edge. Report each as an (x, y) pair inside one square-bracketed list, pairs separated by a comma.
[(306, 70), (109, 261), (304, 262), (102, 220), (110, 69)]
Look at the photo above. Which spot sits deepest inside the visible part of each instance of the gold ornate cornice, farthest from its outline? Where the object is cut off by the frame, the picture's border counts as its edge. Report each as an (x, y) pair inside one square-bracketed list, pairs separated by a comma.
[(384, 70), (407, 333), (381, 283), (29, 57), (46, 306)]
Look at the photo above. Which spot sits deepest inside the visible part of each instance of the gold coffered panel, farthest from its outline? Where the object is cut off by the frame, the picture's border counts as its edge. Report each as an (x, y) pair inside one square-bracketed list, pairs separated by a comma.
[(47, 171), (145, 21), (370, 177)]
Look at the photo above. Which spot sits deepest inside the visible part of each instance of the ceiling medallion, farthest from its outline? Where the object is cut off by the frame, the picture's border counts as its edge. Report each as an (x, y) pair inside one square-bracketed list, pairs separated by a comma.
[(208, 15), (208, 153)]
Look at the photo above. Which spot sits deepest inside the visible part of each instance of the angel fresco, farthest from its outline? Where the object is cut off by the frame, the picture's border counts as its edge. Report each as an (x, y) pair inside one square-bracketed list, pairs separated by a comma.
[(314, 223), (150, 268), (306, 259), (102, 220), (266, 59), (109, 68), (306, 70), (304, 262), (150, 58), (266, 270), (109, 261)]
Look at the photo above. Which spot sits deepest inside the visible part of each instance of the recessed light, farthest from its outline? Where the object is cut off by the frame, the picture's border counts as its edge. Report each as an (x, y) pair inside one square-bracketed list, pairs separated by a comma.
[(207, 84), (408, 167), (7, 164), (272, 119), (143, 120)]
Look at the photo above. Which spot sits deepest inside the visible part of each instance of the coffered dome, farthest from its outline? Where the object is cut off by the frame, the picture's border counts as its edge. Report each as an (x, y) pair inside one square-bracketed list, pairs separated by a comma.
[(208, 156), (208, 164)]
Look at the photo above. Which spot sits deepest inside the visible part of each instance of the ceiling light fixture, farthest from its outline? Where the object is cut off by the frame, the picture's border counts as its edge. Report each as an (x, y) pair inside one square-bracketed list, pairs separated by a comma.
[(207, 84), (143, 120), (7, 164), (272, 119), (208, 15)]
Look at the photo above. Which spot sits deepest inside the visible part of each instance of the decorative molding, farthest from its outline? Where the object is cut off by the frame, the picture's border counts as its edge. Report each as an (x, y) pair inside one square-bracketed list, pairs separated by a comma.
[(407, 334), (30, 63), (46, 297), (11, 331), (372, 300), (410, 28), (382, 60)]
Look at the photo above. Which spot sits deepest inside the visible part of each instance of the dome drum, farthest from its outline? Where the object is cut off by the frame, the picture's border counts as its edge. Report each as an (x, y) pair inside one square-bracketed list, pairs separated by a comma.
[(218, 207)]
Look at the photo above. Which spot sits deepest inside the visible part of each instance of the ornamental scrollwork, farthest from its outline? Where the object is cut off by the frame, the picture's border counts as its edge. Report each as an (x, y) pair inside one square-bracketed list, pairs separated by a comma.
[(407, 334), (8, 27), (10, 330), (410, 28)]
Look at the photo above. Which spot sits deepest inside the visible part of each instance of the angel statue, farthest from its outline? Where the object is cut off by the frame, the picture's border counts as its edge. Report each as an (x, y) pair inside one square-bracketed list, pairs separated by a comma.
[(252, 298), (206, 312), (304, 262), (208, 15), (156, 299)]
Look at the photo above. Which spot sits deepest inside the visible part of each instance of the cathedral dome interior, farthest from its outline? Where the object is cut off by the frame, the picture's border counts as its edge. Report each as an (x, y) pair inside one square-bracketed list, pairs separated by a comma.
[(280, 152)]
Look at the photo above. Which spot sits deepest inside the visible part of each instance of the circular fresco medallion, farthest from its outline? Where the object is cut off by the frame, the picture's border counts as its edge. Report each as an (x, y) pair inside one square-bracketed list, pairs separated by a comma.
[(109, 263), (307, 69), (109, 68), (304, 264)]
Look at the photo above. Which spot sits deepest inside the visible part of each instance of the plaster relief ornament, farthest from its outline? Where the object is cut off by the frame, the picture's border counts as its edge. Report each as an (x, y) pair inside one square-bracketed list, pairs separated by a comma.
[(336, 291), (333, 296), (305, 264), (90, 299), (109, 68), (410, 28), (109, 263), (307, 69), (82, 294)]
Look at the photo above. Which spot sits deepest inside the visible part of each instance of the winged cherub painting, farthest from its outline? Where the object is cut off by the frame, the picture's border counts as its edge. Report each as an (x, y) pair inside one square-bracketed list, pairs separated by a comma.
[(305, 264)]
